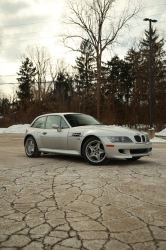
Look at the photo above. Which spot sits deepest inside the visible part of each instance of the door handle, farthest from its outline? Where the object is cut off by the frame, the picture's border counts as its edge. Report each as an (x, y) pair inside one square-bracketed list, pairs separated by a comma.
[(44, 133)]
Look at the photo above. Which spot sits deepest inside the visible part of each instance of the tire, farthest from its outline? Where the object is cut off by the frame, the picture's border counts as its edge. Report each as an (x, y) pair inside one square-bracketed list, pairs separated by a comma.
[(31, 149), (133, 159), (93, 152)]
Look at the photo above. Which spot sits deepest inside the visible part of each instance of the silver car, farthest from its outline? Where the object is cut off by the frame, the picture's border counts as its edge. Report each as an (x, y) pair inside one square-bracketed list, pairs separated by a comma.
[(83, 135)]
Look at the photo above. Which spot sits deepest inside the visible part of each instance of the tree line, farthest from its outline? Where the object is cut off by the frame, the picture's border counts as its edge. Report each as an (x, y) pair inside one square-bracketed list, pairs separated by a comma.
[(124, 85)]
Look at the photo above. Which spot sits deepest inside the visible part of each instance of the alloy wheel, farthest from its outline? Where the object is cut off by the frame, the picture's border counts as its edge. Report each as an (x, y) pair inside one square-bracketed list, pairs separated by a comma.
[(95, 151), (30, 147)]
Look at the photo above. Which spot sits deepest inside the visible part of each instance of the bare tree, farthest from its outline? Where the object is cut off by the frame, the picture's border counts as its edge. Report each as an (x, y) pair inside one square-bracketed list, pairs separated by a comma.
[(40, 56), (101, 23)]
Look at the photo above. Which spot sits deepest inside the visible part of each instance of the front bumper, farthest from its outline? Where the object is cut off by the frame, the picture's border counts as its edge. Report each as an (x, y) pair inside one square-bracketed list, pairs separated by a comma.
[(126, 150)]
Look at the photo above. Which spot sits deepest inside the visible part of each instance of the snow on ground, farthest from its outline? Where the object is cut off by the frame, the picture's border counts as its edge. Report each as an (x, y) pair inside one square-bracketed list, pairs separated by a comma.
[(161, 133), (1, 130), (155, 139), (19, 129)]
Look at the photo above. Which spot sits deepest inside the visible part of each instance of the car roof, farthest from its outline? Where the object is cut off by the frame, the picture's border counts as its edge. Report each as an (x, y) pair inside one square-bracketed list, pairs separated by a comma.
[(67, 113), (61, 114)]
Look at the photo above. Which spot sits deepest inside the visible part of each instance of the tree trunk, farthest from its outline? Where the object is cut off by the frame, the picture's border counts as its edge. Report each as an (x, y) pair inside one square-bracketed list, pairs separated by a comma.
[(98, 84)]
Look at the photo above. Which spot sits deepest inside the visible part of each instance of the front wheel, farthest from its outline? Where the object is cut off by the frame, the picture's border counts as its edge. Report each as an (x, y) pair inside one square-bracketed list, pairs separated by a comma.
[(133, 159), (31, 149), (93, 152)]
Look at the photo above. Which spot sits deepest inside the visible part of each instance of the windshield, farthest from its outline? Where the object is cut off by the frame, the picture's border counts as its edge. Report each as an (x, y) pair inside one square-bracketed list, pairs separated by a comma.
[(76, 120)]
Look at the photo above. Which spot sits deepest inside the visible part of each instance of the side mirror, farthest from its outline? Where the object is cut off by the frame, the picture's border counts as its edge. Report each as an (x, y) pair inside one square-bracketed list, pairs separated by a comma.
[(55, 126)]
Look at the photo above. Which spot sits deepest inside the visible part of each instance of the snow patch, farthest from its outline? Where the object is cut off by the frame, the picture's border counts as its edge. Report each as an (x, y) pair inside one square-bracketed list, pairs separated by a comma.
[(162, 133), (19, 129), (155, 139)]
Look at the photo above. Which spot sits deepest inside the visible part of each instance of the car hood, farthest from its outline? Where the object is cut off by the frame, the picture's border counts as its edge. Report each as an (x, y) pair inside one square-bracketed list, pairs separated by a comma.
[(108, 130)]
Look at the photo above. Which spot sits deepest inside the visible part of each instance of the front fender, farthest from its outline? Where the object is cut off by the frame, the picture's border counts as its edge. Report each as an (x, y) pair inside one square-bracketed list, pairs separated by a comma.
[(88, 135)]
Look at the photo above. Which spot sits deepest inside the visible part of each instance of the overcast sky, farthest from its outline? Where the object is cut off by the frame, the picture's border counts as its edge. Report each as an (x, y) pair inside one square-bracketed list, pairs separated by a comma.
[(27, 22)]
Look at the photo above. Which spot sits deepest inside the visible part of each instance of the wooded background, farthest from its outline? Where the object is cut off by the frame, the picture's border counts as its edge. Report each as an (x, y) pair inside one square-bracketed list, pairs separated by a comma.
[(124, 86)]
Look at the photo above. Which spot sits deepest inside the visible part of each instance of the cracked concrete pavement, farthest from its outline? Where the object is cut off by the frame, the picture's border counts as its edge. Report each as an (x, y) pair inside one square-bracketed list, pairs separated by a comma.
[(62, 203)]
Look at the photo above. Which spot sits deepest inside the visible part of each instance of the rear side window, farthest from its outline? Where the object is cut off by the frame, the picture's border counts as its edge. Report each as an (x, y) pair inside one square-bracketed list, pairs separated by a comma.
[(39, 123), (53, 119)]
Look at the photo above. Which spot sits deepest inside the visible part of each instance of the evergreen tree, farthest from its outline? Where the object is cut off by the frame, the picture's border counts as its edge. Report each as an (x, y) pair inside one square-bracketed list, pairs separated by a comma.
[(85, 67), (133, 58), (62, 90), (119, 78), (158, 57), (27, 73), (158, 52), (4, 106), (137, 96), (63, 84), (139, 60), (158, 72)]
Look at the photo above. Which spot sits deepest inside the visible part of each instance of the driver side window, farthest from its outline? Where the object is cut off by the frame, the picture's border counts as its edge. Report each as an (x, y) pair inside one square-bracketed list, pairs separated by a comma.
[(63, 124), (53, 119)]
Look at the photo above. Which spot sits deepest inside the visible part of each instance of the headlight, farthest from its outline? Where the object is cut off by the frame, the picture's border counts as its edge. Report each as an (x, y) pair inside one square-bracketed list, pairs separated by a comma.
[(147, 138), (119, 139)]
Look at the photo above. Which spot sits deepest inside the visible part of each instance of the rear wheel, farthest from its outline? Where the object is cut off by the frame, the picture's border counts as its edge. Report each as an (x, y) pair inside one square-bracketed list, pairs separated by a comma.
[(31, 149), (133, 159), (93, 152)]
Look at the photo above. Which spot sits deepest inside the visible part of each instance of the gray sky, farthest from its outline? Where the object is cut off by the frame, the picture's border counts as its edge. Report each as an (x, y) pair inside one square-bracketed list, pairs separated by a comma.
[(27, 22)]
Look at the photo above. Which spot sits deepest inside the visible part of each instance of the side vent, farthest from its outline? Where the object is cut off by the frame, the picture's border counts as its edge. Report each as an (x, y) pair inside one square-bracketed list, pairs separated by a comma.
[(76, 134)]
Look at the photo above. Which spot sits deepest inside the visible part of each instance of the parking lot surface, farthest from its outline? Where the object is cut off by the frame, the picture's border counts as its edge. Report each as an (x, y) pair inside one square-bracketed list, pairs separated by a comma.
[(62, 203)]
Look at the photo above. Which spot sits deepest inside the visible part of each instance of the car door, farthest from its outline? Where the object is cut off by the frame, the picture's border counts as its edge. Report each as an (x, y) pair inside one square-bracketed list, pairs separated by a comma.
[(51, 138)]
